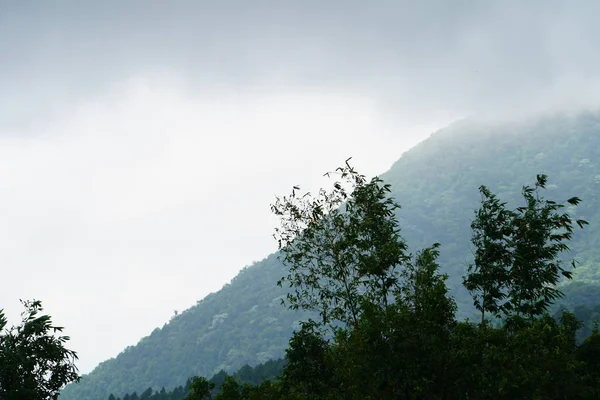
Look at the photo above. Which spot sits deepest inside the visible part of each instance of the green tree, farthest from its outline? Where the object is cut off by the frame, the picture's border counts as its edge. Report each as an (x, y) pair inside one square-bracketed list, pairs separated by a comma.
[(307, 374), (488, 275), (424, 290), (200, 389), (342, 247), (540, 233), (34, 363), (589, 354), (146, 394), (266, 390), (348, 262), (232, 390), (517, 253)]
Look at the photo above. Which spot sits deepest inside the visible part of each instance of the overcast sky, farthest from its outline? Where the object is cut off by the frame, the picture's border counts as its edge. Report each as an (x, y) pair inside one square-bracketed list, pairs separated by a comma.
[(141, 142)]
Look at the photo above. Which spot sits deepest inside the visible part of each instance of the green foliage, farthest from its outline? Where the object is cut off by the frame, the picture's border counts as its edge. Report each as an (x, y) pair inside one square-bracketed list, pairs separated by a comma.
[(232, 390), (248, 382), (342, 248), (395, 319), (34, 363), (523, 358), (306, 374), (436, 182), (487, 276), (200, 389), (540, 233), (414, 349), (517, 264), (589, 355), (424, 289)]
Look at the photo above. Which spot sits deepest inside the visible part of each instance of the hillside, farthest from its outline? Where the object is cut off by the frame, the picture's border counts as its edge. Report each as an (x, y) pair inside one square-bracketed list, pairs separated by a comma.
[(436, 182)]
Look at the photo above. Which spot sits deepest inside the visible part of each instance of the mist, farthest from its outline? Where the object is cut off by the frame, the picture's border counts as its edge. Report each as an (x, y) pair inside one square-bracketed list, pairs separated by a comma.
[(141, 143)]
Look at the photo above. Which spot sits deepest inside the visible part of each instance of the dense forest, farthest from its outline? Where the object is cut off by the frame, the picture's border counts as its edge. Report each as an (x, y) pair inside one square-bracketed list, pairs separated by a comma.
[(246, 375), (436, 184)]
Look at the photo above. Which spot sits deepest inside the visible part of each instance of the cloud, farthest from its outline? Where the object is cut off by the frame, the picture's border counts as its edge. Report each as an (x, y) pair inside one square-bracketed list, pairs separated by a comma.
[(462, 57)]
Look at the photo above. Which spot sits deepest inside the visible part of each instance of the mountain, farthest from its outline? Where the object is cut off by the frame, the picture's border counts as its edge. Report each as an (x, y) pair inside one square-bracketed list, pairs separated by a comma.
[(437, 184)]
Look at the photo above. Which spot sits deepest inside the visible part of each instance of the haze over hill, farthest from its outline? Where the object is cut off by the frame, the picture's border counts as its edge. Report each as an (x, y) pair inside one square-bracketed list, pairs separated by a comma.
[(142, 141)]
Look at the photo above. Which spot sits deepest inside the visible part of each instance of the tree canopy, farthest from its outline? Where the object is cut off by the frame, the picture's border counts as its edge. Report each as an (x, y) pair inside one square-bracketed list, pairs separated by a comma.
[(397, 336), (34, 362)]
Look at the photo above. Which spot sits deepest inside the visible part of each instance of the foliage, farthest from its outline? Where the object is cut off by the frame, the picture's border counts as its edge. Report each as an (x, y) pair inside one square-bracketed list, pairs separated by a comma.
[(589, 354), (306, 374), (540, 233), (199, 389), (517, 264), (488, 274), (347, 239), (436, 182), (413, 348), (34, 363), (219, 386)]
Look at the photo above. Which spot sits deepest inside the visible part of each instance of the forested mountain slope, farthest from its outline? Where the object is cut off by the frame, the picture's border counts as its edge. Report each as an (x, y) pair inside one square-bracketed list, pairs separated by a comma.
[(437, 184), (437, 181)]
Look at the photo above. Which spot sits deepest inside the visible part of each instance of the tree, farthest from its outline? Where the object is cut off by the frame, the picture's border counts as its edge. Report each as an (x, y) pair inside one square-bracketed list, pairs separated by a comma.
[(540, 233), (517, 264), (589, 354), (200, 389), (34, 363), (488, 275), (147, 394), (306, 374), (342, 247), (232, 390), (425, 292), (348, 262)]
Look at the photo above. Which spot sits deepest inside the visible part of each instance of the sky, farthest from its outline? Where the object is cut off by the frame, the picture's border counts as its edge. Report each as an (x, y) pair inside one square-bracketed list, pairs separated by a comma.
[(142, 142)]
